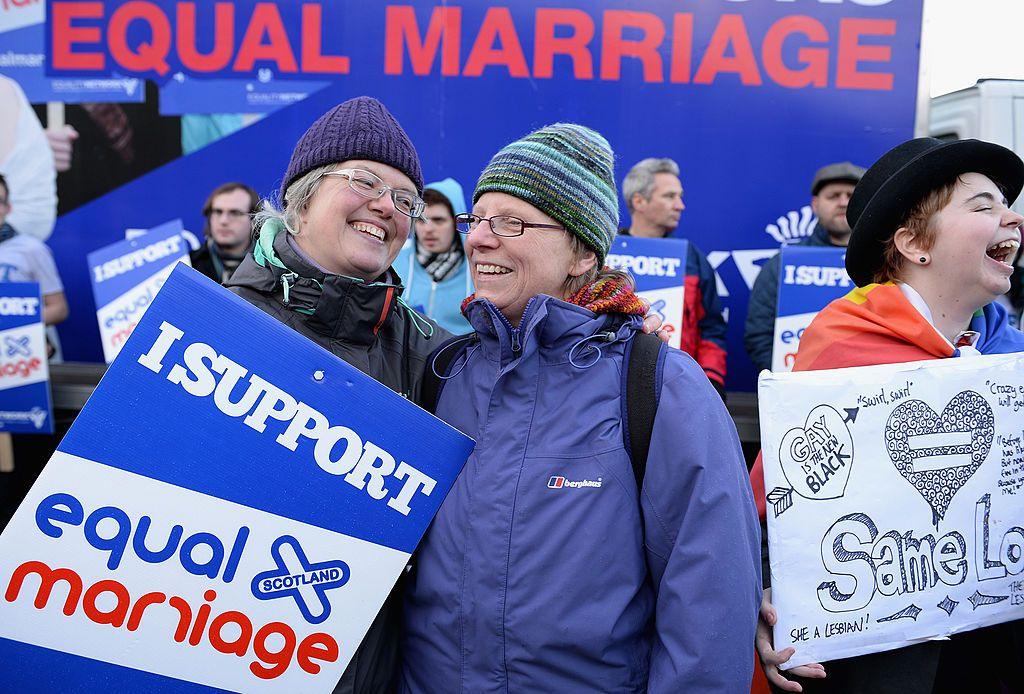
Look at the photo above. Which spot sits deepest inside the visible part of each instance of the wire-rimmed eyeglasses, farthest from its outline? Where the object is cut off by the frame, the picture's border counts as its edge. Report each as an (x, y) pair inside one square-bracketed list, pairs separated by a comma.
[(369, 185), (501, 225)]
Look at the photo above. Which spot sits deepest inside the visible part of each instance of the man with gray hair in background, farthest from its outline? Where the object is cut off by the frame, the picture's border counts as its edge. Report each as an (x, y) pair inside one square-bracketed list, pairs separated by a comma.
[(654, 198)]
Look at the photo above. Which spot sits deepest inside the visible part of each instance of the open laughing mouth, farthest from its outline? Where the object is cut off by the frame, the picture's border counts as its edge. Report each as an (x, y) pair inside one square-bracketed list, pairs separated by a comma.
[(368, 229), (1004, 251)]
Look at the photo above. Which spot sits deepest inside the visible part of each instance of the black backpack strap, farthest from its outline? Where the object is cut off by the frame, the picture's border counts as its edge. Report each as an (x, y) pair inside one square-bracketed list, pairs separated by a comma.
[(642, 375), (437, 365)]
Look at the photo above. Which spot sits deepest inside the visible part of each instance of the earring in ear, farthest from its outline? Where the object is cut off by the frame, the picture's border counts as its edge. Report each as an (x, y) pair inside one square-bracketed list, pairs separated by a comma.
[(923, 259)]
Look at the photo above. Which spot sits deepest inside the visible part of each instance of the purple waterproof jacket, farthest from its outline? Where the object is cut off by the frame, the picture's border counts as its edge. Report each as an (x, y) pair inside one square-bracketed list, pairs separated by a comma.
[(545, 570)]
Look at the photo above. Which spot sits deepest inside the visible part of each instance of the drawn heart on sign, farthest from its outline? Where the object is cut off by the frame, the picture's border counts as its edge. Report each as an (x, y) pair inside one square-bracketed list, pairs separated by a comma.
[(816, 458), (938, 454)]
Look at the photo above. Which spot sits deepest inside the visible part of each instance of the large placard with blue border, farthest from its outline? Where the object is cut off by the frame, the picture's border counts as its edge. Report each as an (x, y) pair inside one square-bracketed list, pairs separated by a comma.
[(25, 404), (231, 508), (810, 277), (126, 277), (659, 268)]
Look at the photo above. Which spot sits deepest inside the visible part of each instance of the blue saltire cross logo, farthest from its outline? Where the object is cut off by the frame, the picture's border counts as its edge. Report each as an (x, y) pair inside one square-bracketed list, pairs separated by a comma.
[(17, 345), (296, 577)]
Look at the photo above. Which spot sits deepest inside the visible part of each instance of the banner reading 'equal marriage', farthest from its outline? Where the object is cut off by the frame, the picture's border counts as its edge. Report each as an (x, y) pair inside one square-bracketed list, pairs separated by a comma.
[(895, 501)]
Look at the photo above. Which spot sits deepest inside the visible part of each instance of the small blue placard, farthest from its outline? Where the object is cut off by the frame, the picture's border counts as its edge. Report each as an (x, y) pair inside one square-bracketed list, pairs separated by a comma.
[(127, 275), (659, 268), (25, 404), (810, 277)]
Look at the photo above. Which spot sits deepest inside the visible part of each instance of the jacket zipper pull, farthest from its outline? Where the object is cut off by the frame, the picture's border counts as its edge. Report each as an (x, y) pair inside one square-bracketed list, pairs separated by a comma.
[(517, 346), (286, 287)]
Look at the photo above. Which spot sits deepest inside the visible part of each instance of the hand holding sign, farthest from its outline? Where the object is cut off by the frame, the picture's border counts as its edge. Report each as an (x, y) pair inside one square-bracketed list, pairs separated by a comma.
[(867, 567)]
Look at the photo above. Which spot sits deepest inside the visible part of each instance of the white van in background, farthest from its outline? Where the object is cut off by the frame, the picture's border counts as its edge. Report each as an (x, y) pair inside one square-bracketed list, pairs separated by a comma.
[(991, 110)]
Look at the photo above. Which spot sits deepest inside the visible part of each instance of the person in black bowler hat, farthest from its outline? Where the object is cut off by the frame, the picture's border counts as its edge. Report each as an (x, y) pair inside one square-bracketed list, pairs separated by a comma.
[(932, 247)]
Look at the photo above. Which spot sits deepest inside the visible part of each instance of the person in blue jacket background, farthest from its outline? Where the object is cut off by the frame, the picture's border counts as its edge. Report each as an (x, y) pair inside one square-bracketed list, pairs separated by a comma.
[(433, 264), (547, 569)]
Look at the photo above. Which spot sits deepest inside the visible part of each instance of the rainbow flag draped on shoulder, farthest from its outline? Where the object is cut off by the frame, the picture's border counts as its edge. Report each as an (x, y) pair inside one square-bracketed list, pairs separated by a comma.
[(871, 325)]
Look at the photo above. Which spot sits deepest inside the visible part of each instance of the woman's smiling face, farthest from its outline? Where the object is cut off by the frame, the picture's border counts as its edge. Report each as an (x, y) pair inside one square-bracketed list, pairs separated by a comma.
[(509, 271), (348, 234)]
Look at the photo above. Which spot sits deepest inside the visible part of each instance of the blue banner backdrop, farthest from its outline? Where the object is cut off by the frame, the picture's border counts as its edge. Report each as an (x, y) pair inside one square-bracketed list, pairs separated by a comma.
[(22, 59), (749, 98)]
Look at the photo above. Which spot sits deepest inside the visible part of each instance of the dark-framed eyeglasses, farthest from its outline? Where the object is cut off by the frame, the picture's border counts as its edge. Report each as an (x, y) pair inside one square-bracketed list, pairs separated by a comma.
[(370, 185), (501, 225)]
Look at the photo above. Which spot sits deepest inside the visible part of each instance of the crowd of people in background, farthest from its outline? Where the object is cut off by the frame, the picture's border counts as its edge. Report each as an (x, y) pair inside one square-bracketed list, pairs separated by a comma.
[(358, 254), (102, 146)]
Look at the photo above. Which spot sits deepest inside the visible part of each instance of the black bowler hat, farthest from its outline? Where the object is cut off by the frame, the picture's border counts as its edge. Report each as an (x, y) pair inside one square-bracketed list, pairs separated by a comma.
[(903, 177)]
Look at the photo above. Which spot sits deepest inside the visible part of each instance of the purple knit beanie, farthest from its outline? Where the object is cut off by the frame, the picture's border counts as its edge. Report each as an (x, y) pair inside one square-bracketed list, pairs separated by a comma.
[(360, 128)]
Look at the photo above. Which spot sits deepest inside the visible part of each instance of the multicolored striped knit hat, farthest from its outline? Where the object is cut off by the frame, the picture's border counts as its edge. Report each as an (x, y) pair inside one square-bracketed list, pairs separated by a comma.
[(565, 171)]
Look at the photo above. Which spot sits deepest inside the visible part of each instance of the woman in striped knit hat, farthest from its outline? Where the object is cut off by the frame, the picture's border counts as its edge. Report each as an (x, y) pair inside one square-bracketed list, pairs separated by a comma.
[(547, 568)]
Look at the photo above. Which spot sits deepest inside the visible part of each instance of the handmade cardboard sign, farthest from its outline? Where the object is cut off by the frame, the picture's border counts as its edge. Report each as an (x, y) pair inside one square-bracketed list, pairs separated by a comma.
[(810, 277), (895, 499), (231, 508), (127, 275), (659, 268), (25, 405)]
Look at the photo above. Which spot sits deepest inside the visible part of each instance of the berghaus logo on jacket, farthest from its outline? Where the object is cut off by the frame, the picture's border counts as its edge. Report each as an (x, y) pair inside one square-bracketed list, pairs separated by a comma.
[(559, 482)]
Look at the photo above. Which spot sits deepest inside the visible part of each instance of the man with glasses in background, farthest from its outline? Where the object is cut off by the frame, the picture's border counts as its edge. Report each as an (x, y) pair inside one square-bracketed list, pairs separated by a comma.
[(228, 211)]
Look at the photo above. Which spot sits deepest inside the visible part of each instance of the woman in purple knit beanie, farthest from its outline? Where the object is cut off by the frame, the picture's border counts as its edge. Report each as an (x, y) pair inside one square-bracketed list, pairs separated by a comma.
[(322, 265)]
